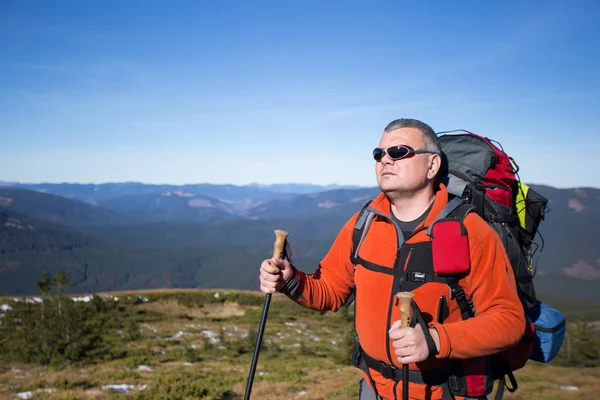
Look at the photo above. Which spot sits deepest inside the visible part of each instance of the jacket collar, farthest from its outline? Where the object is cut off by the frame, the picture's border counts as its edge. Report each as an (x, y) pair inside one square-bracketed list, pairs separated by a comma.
[(382, 204)]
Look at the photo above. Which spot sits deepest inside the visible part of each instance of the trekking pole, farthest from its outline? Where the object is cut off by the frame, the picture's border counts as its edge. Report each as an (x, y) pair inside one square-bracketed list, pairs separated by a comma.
[(405, 299), (278, 251)]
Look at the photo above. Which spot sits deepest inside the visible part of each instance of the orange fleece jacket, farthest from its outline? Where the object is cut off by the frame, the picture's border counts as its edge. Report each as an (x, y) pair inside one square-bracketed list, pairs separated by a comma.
[(499, 322)]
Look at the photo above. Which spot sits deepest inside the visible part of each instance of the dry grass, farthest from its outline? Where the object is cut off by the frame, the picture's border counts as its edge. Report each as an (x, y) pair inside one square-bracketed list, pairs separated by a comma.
[(544, 382), (210, 310), (287, 373)]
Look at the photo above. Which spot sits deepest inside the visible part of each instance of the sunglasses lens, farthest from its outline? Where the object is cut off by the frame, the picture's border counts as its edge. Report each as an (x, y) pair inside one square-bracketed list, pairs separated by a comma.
[(397, 152), (378, 154)]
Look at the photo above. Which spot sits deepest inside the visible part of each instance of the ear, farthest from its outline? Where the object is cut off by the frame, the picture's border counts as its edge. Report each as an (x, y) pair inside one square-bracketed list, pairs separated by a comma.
[(435, 163)]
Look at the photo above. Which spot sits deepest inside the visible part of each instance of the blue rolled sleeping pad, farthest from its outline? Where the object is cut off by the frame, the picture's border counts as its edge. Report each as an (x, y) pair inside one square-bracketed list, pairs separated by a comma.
[(550, 328)]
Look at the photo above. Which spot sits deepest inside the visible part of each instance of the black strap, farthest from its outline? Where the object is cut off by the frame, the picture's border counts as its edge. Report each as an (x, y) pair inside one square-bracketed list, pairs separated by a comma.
[(460, 212), (447, 393), (372, 266), (467, 310), (417, 318), (477, 197), (359, 361), (362, 360), (500, 391), (415, 276), (509, 219)]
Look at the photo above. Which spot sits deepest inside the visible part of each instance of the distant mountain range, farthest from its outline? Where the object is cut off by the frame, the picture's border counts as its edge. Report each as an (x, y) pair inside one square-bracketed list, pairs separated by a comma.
[(133, 236)]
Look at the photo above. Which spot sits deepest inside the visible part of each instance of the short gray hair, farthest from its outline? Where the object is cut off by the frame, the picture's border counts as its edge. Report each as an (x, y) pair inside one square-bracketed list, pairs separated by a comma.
[(429, 137)]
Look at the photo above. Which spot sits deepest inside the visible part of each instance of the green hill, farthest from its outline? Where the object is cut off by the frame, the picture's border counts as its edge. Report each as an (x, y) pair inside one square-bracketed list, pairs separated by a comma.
[(58, 209)]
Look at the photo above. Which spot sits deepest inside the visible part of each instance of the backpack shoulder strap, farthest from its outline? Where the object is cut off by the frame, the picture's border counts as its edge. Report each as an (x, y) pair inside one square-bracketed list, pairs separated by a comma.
[(457, 209), (361, 226), (363, 222)]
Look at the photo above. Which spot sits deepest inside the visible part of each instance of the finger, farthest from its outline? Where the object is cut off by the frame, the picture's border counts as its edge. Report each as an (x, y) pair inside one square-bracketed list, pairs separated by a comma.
[(398, 334), (401, 343), (268, 284), (404, 352), (396, 325), (407, 359), (271, 269), (266, 289), (269, 277), (276, 262)]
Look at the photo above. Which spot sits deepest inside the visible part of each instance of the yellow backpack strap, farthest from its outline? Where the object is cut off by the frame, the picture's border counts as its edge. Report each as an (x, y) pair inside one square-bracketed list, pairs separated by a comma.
[(520, 208)]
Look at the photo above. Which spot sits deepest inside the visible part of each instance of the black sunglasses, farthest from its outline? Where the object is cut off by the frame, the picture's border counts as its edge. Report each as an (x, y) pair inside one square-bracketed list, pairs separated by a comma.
[(398, 152)]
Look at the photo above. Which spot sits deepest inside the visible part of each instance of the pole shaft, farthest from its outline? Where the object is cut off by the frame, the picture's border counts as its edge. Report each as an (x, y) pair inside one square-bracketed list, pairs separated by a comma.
[(405, 381), (261, 329)]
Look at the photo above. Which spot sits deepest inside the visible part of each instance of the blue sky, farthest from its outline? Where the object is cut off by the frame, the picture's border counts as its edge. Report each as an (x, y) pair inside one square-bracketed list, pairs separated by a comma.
[(290, 91)]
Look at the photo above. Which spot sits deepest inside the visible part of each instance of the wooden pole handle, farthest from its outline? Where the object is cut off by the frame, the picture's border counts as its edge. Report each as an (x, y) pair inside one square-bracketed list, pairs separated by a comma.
[(405, 299), (279, 245)]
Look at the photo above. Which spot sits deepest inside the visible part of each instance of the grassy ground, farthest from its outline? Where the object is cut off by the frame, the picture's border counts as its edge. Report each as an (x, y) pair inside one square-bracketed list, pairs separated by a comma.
[(194, 344)]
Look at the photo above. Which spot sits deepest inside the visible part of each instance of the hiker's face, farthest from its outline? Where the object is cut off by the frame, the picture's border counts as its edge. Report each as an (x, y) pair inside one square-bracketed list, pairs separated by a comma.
[(407, 174)]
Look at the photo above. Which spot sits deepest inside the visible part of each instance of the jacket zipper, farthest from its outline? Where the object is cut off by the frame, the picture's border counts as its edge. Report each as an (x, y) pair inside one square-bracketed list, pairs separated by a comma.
[(396, 285)]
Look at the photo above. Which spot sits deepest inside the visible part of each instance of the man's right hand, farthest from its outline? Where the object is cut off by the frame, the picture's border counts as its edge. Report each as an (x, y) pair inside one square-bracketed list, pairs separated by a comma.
[(274, 274)]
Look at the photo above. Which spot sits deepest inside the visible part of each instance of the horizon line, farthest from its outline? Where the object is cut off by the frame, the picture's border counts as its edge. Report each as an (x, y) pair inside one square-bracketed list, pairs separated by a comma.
[(4, 183)]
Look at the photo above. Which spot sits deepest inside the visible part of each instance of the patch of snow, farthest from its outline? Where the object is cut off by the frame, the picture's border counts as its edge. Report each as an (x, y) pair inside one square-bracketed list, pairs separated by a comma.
[(290, 323), (177, 335), (34, 300), (212, 335), (16, 300), (27, 395), (149, 327), (216, 295), (188, 363), (5, 307), (263, 373), (143, 368), (570, 388), (123, 388), (143, 299), (85, 299)]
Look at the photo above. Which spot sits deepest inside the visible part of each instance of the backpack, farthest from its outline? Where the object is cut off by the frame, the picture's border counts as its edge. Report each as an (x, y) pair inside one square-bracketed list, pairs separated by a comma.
[(482, 178), (478, 170)]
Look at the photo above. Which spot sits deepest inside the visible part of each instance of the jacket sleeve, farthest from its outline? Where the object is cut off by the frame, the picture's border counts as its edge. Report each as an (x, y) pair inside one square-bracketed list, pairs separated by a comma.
[(328, 288), (499, 321)]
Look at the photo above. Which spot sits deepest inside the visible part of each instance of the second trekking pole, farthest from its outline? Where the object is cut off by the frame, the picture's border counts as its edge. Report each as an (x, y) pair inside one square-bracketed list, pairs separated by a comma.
[(405, 299)]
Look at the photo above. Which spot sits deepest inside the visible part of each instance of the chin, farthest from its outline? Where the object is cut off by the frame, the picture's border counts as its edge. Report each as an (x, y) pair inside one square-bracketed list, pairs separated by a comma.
[(386, 187)]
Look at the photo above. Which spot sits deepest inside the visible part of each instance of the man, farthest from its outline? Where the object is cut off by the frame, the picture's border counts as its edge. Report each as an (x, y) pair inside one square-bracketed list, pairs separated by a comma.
[(408, 160)]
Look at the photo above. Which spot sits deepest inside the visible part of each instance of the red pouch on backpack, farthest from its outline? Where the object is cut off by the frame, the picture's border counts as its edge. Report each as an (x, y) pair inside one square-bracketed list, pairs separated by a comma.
[(450, 247)]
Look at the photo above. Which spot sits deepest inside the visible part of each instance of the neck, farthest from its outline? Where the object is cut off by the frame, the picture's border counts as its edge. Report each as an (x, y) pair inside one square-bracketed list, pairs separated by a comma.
[(411, 207)]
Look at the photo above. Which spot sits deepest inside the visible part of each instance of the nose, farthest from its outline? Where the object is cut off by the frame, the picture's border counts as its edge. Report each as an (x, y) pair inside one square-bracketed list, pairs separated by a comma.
[(386, 159)]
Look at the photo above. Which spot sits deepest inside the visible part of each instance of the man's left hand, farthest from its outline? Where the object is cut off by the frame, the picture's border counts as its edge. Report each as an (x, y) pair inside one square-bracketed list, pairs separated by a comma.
[(410, 343)]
